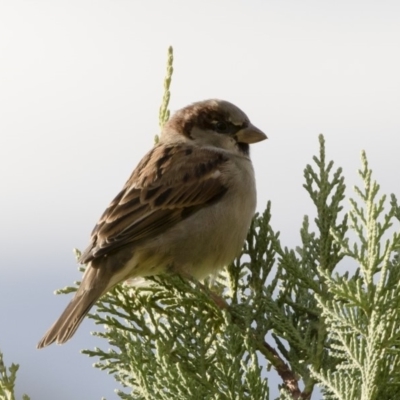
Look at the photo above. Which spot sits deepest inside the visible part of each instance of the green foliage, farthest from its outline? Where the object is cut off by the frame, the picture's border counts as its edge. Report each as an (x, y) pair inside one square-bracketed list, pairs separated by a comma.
[(7, 380), (174, 342), (363, 313), (164, 113)]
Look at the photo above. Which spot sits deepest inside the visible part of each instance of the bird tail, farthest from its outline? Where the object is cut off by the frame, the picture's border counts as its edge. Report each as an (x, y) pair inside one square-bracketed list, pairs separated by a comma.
[(93, 285)]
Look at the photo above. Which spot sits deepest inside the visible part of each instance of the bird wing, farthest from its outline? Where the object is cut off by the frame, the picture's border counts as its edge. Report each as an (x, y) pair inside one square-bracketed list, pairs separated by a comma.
[(170, 183)]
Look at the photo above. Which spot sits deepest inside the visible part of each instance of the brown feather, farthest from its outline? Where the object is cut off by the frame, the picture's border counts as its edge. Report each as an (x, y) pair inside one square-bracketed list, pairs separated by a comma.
[(96, 280), (93, 285), (168, 185)]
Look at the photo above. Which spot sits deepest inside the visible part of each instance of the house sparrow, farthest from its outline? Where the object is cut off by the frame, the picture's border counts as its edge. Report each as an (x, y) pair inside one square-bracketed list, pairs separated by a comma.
[(186, 208)]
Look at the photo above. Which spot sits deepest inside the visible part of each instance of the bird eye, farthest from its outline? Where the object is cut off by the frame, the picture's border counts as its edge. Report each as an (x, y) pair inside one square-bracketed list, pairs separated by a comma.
[(221, 127)]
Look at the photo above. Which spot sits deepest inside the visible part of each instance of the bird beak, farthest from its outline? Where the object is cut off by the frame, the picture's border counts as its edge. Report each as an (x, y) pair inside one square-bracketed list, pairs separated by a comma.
[(251, 134)]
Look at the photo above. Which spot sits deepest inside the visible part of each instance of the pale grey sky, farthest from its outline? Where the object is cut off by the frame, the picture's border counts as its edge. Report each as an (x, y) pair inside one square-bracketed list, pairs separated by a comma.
[(81, 83)]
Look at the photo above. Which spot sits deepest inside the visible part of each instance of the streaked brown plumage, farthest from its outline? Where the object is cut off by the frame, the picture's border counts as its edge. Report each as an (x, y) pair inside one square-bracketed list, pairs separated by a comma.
[(187, 207)]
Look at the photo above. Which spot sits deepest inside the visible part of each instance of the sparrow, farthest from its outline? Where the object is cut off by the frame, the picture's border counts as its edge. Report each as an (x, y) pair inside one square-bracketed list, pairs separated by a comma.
[(186, 209)]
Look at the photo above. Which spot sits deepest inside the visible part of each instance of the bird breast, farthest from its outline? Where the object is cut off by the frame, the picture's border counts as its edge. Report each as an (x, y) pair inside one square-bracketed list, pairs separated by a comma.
[(212, 237)]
